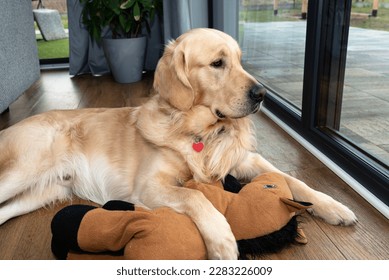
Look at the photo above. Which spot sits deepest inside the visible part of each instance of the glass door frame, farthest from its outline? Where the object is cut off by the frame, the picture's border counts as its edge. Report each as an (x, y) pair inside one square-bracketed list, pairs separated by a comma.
[(318, 122)]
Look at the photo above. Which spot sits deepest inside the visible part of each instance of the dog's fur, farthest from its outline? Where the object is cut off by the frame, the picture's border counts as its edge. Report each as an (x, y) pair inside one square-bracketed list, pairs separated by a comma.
[(144, 154)]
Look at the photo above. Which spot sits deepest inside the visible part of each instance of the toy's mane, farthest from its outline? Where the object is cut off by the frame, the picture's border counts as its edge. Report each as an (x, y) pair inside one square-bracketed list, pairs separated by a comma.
[(267, 244), (270, 243)]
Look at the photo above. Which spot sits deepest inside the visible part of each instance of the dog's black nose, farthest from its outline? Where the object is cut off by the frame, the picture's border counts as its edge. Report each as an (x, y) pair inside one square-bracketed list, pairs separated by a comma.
[(257, 93)]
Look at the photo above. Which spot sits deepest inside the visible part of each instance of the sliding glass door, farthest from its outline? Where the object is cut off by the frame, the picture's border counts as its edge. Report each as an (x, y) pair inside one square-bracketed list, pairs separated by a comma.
[(274, 46), (365, 107), (328, 77)]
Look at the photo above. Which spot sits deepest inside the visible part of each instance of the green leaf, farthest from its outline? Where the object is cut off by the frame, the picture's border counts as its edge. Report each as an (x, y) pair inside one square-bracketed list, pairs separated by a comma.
[(112, 5), (136, 12), (127, 4), (128, 26), (122, 20)]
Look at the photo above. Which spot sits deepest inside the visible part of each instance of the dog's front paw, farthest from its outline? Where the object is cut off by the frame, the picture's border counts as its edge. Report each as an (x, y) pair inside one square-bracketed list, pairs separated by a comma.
[(332, 211), (222, 248), (219, 239)]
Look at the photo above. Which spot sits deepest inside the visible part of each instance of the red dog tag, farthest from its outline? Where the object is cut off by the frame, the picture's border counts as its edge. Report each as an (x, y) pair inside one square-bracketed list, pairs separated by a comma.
[(198, 146)]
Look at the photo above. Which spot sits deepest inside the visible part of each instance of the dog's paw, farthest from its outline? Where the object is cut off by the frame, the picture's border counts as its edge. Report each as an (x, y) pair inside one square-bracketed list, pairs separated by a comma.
[(222, 248), (219, 240), (332, 211)]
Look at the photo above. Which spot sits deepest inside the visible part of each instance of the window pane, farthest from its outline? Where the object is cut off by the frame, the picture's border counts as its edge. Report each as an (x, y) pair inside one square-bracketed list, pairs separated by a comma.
[(273, 45), (365, 106), (51, 37)]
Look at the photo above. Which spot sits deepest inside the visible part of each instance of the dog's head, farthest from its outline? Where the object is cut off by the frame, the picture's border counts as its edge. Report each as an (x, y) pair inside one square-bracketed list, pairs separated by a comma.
[(203, 67)]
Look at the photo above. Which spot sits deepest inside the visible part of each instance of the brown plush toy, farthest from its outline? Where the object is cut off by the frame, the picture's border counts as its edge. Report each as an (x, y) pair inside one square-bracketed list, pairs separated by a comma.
[(262, 216)]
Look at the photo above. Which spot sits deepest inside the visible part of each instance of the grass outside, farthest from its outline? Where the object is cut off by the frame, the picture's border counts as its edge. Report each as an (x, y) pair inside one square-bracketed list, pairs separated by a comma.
[(360, 13), (53, 49), (360, 17), (56, 48)]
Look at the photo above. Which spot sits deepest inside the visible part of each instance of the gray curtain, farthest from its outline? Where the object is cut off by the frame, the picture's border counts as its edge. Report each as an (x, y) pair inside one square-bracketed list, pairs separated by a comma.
[(181, 15), (86, 56)]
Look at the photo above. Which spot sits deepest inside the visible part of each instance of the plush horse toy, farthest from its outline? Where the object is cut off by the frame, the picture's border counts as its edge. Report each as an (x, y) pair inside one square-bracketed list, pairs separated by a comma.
[(262, 216)]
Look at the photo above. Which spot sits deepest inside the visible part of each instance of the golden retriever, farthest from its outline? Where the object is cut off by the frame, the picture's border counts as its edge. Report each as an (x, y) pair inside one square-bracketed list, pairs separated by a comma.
[(195, 126)]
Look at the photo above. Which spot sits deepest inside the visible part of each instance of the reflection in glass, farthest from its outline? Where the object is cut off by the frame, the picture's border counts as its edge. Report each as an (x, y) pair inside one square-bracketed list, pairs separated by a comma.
[(365, 106), (272, 38)]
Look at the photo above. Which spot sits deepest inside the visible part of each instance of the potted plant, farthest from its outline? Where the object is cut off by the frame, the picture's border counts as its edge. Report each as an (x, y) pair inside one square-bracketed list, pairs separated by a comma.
[(125, 19)]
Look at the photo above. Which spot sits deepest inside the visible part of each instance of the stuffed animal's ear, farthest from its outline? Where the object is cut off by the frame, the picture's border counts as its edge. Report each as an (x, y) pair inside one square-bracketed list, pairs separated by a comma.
[(295, 206), (119, 205), (231, 184)]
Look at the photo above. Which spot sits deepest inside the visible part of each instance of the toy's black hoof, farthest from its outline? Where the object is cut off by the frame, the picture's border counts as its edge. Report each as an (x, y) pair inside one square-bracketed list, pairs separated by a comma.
[(64, 228)]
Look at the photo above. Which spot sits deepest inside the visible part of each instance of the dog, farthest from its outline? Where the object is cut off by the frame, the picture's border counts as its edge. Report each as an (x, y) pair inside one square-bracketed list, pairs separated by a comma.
[(195, 126)]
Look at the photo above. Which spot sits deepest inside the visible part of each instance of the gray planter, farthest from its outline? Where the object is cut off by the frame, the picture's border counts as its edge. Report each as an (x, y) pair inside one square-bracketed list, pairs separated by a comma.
[(125, 58)]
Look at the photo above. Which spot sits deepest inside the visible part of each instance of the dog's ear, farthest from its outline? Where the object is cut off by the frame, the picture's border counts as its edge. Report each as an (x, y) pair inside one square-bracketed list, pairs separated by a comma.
[(171, 78)]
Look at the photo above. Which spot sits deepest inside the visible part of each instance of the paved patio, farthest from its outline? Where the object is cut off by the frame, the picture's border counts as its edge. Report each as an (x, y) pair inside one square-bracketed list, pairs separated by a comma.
[(274, 53)]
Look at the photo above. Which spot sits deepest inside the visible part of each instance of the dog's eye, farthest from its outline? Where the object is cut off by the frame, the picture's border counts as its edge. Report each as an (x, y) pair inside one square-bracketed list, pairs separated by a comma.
[(217, 63)]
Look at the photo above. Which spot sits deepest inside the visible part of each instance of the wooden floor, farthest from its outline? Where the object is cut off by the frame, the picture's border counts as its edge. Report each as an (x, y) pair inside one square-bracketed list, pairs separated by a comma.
[(29, 237)]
